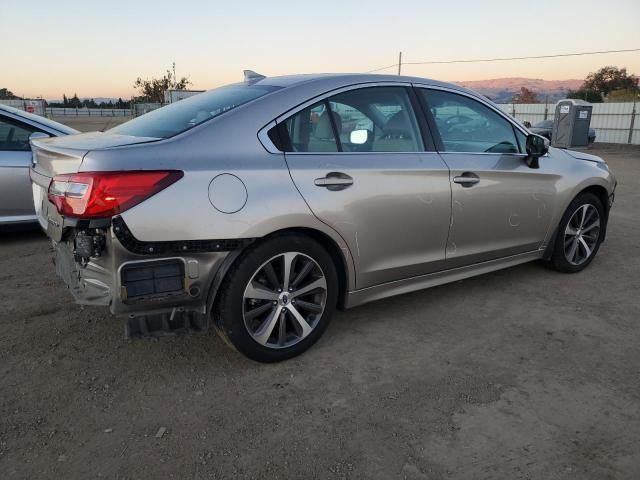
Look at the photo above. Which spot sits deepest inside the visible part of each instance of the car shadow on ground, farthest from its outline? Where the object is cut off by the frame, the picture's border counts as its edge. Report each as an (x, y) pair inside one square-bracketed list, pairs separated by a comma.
[(20, 233)]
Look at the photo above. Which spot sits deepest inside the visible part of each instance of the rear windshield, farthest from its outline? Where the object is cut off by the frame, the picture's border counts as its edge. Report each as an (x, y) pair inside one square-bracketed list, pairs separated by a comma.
[(168, 121)]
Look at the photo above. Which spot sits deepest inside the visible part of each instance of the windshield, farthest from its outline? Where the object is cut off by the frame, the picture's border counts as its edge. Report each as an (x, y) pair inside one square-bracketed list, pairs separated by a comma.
[(173, 119), (43, 121)]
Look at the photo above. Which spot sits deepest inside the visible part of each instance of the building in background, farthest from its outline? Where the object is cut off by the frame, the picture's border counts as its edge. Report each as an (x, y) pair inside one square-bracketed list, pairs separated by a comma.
[(35, 106)]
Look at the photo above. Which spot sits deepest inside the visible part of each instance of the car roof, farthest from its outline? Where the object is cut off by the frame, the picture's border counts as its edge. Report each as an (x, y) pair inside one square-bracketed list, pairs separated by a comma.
[(350, 78), (37, 120)]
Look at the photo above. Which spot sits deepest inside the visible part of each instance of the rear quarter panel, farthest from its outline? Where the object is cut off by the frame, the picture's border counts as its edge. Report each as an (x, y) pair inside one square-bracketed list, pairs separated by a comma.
[(184, 211)]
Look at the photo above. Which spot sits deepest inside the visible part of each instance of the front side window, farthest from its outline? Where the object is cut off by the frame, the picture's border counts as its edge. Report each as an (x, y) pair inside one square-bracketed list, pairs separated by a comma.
[(14, 136), (173, 119), (466, 125), (522, 140), (376, 119)]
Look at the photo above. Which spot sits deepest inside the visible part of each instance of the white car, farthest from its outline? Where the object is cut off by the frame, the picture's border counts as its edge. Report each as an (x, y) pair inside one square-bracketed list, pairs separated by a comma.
[(16, 126)]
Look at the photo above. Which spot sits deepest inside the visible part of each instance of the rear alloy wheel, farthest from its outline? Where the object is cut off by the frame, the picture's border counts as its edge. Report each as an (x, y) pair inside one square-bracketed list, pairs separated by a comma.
[(284, 300), (278, 298), (579, 234)]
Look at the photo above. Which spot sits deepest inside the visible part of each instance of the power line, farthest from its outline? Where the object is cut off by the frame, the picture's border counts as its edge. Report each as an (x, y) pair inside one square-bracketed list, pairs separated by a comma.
[(382, 68), (434, 62), (526, 58)]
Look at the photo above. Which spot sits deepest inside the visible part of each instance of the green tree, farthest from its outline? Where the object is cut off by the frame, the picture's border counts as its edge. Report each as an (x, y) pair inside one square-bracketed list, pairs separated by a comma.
[(585, 94), (525, 96), (89, 103), (624, 95), (7, 94), (608, 79), (153, 90), (74, 102)]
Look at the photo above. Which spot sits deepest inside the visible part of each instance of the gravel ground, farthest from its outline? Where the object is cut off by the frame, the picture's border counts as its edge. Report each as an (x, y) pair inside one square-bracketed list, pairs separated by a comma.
[(522, 373)]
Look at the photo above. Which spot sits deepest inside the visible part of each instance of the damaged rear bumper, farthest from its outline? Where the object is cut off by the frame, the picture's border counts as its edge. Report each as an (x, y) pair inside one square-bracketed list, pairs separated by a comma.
[(161, 288)]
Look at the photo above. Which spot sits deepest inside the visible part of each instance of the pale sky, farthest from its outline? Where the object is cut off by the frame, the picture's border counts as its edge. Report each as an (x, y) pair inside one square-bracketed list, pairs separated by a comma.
[(99, 48)]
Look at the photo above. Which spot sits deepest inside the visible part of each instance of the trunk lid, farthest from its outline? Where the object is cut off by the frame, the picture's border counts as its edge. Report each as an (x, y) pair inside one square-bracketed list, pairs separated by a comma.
[(60, 155), (63, 155)]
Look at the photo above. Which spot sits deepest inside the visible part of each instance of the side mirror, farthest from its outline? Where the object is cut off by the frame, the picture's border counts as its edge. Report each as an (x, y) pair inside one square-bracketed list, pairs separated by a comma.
[(359, 137), (537, 146)]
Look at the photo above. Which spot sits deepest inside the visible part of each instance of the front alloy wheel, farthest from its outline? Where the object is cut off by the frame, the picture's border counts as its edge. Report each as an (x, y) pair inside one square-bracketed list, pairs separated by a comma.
[(581, 234)]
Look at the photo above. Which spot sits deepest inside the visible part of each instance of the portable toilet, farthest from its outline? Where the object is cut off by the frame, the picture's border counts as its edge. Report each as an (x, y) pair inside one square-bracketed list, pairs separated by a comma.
[(571, 124)]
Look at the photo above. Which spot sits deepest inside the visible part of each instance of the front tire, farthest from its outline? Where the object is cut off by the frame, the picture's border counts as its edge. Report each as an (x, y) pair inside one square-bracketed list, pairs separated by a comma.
[(579, 234), (278, 299)]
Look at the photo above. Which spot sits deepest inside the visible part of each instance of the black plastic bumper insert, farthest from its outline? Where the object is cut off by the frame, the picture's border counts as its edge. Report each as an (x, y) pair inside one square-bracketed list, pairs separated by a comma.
[(151, 279), (134, 245)]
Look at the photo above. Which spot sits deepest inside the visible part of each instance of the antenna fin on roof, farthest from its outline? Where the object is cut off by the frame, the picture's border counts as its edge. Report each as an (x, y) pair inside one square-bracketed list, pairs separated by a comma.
[(251, 76)]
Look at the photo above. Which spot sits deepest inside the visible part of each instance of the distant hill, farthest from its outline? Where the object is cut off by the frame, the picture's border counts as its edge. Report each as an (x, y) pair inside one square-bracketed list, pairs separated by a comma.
[(501, 90)]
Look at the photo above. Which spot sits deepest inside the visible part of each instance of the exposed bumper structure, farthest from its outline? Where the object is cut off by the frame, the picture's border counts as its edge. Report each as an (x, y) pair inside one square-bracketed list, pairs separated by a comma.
[(161, 289)]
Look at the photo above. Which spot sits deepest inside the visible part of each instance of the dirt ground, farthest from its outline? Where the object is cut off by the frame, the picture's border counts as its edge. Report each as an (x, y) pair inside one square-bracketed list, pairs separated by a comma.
[(519, 374)]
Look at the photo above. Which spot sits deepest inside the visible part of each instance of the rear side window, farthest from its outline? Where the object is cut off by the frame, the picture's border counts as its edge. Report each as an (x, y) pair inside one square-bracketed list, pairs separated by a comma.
[(372, 119), (312, 130), (14, 136), (185, 114), (466, 125)]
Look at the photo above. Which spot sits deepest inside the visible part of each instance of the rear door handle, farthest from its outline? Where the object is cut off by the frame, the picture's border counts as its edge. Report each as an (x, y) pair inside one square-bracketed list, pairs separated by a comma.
[(467, 179), (334, 181)]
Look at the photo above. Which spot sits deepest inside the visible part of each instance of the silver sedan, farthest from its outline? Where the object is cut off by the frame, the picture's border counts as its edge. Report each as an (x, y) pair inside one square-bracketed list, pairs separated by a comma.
[(16, 127), (262, 206)]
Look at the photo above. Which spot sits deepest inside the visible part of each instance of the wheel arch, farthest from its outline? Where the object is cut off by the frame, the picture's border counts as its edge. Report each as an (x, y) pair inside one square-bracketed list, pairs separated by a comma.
[(595, 189), (602, 194), (341, 260), (336, 253)]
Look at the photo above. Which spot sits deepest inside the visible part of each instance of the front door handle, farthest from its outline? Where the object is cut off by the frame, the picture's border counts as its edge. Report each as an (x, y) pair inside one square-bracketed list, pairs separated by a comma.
[(467, 179), (334, 181)]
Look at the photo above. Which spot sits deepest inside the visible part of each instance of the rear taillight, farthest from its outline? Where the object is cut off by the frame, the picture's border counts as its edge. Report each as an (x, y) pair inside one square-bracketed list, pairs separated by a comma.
[(104, 194)]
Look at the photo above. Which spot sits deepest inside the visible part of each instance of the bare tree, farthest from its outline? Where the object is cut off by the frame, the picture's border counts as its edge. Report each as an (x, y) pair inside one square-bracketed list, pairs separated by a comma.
[(525, 96)]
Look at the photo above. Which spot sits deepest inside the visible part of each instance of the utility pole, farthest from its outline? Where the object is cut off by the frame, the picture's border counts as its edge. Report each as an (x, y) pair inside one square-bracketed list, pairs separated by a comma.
[(546, 106), (400, 64), (633, 120)]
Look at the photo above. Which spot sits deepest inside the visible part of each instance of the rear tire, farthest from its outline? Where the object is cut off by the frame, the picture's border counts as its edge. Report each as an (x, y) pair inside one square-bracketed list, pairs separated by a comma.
[(278, 298), (579, 234)]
